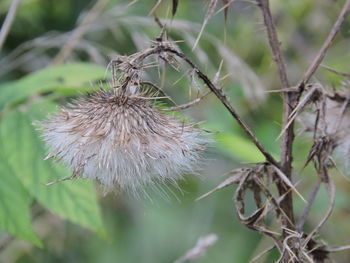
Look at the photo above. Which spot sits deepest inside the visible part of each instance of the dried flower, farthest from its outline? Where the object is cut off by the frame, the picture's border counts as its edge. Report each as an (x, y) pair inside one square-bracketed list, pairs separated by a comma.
[(329, 121), (121, 139)]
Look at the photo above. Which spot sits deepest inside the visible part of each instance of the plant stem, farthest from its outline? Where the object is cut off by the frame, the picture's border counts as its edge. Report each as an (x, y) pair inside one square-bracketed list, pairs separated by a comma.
[(288, 98)]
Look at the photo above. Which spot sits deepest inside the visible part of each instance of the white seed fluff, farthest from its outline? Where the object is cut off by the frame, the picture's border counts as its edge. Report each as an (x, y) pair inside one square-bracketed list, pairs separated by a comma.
[(122, 140)]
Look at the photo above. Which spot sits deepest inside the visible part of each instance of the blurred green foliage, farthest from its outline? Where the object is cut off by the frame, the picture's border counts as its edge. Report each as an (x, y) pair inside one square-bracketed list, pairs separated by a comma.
[(164, 228)]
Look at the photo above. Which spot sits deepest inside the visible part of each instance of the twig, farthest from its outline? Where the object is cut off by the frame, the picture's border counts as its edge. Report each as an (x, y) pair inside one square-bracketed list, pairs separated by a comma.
[(218, 93), (322, 52), (337, 249), (274, 43), (346, 75), (222, 97), (189, 104), (10, 17), (288, 136), (262, 253), (308, 206), (78, 33), (331, 196), (154, 86)]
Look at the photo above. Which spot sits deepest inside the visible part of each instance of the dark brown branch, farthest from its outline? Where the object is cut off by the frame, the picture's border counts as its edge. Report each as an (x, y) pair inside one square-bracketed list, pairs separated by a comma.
[(222, 97), (274, 43), (288, 135), (140, 57)]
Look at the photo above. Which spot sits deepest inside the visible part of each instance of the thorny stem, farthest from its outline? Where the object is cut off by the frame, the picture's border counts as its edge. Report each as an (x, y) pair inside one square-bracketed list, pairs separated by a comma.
[(288, 135), (160, 48), (222, 97), (290, 101)]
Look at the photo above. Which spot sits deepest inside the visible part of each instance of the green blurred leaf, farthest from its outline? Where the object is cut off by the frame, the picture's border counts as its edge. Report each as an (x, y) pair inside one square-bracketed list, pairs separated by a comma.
[(74, 200), (15, 206), (65, 77), (239, 147)]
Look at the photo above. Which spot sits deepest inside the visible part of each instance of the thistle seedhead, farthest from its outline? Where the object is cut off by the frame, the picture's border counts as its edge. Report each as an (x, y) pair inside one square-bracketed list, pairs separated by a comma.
[(121, 139)]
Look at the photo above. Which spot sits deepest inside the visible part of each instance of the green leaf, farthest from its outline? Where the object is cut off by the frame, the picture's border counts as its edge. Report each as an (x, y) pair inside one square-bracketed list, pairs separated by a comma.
[(239, 147), (65, 77), (15, 206), (74, 200)]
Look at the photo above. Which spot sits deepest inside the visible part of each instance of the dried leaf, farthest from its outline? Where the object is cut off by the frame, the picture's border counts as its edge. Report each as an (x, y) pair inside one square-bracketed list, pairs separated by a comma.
[(288, 182), (301, 106)]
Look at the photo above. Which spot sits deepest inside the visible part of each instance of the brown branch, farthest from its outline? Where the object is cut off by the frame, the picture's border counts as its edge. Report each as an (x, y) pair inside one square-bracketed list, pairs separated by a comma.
[(274, 43), (222, 97), (328, 42), (288, 135), (160, 48)]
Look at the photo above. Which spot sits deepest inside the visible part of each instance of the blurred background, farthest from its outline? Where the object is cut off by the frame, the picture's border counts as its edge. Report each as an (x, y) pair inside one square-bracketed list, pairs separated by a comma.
[(58, 50)]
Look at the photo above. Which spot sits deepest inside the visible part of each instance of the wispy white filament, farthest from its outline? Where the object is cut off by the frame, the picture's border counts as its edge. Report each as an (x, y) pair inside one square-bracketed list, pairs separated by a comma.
[(122, 140)]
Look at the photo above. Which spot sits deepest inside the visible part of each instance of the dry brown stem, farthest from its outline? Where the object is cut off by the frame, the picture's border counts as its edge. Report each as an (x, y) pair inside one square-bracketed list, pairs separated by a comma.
[(161, 49), (290, 104), (288, 135)]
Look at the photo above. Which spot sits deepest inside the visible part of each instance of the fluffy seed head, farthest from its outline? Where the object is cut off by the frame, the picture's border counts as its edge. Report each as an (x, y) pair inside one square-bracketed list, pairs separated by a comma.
[(122, 140)]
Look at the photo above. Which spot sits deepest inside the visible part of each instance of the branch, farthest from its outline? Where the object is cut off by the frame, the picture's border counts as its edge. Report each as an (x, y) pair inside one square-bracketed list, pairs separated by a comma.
[(274, 43), (160, 49), (222, 97), (308, 206), (330, 38), (10, 17), (288, 136)]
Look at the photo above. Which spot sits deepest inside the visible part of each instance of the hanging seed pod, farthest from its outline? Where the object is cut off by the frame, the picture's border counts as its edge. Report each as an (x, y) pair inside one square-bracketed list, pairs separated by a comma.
[(120, 139)]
